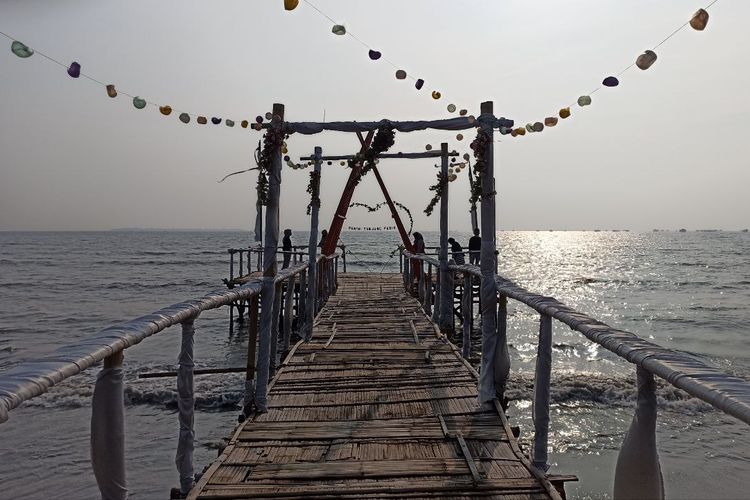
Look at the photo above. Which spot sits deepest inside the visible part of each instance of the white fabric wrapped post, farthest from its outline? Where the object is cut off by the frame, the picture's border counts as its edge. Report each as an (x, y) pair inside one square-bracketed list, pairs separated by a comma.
[(420, 282), (108, 430), (275, 327), (185, 407), (502, 356), (428, 291), (312, 278), (288, 303), (540, 406), (467, 310), (446, 292), (638, 473), (436, 304), (488, 292), (269, 271)]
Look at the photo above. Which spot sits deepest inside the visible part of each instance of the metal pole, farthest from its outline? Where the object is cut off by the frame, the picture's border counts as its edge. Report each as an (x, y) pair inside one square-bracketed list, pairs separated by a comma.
[(446, 292), (186, 407), (488, 292), (269, 267), (312, 277), (540, 407)]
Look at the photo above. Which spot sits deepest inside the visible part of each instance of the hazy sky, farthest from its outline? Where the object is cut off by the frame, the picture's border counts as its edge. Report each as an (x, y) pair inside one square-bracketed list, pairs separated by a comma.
[(668, 148)]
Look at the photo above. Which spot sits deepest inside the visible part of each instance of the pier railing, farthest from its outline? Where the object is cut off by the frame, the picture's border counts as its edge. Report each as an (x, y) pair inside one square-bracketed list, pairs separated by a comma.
[(250, 259), (638, 473), (30, 379)]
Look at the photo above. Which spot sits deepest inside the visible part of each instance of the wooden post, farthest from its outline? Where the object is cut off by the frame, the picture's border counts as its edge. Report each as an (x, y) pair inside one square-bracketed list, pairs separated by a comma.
[(488, 291), (446, 292), (241, 263), (420, 282), (288, 303), (108, 430), (269, 266), (638, 473), (467, 312), (186, 408), (301, 302), (406, 273), (343, 256), (502, 356), (275, 327), (312, 249), (540, 407), (231, 264), (428, 291), (252, 341)]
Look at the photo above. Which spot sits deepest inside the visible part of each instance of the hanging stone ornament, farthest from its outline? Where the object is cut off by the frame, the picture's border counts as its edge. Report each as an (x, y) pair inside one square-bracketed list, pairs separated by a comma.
[(74, 70), (550, 121), (111, 91), (139, 103), (215, 120), (291, 4), (529, 127), (513, 133), (400, 74), (451, 108), (699, 20), (244, 123), (256, 126), (342, 163), (611, 81), (202, 120), (538, 126), (428, 147), (564, 113), (584, 100), (463, 112), (338, 29), (466, 156), (21, 49), (229, 123), (165, 110), (436, 95), (646, 59), (459, 137), (374, 55), (520, 131), (184, 118), (269, 115), (419, 84)]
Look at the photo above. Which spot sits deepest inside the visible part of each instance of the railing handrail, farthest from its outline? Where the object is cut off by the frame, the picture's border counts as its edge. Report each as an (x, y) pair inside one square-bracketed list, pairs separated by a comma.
[(32, 378), (725, 392)]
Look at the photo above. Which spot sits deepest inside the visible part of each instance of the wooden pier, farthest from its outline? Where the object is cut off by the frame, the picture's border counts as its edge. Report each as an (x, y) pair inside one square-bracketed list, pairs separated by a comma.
[(378, 405)]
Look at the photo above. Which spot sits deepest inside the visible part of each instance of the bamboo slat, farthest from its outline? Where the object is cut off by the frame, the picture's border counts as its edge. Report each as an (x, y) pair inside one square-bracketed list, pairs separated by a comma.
[(377, 405)]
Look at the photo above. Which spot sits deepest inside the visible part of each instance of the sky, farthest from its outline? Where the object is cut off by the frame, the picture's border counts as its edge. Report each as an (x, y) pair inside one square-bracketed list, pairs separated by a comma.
[(668, 148)]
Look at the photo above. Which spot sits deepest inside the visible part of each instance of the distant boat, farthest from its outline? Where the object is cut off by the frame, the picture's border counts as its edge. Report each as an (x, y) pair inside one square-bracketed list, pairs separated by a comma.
[(744, 231), (683, 230)]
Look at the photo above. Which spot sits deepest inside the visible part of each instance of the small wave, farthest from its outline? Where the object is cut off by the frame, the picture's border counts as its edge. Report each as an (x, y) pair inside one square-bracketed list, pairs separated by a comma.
[(598, 389), (8, 262)]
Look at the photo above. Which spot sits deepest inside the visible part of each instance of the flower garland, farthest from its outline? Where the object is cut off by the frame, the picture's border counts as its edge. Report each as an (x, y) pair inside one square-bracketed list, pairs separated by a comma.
[(377, 207), (272, 143), (438, 188), (313, 188), (385, 137), (479, 146)]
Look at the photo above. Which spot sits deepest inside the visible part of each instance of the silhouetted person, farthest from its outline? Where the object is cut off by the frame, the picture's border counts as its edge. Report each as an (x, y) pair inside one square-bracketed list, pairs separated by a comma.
[(457, 252), (323, 235), (286, 246), (475, 247), (418, 243)]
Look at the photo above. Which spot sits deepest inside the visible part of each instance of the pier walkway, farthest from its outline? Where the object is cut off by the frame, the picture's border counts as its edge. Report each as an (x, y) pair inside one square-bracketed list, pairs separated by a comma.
[(377, 405)]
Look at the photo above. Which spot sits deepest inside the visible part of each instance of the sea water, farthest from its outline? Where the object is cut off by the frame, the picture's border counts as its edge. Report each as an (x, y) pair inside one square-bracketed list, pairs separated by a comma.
[(687, 291)]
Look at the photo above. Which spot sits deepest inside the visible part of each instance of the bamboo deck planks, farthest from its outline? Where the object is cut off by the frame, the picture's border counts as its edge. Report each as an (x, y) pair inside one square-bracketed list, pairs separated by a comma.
[(377, 405)]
